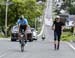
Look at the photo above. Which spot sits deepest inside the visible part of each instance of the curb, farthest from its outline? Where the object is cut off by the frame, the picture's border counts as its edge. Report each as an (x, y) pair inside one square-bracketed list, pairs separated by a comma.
[(4, 38), (71, 46)]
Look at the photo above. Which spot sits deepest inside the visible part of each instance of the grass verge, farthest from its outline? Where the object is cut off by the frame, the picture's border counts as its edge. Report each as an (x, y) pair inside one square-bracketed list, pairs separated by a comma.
[(67, 36)]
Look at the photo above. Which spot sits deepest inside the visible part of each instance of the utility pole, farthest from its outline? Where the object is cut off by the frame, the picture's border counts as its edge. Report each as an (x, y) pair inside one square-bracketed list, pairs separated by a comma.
[(7, 3), (6, 17)]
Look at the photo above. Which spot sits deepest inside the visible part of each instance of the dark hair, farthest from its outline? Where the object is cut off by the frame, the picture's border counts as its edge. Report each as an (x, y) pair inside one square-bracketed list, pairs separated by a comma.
[(21, 18), (56, 19)]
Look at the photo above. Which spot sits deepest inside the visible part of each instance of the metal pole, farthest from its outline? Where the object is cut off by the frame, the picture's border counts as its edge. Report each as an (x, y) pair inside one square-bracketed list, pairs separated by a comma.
[(6, 17), (35, 23), (44, 16)]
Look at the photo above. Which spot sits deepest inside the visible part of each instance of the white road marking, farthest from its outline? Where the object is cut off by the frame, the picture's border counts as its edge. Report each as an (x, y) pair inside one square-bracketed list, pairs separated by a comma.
[(4, 38), (71, 45), (3, 55)]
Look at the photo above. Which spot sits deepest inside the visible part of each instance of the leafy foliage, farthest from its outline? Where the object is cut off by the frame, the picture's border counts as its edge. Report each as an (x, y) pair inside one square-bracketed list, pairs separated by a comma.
[(29, 8), (71, 10)]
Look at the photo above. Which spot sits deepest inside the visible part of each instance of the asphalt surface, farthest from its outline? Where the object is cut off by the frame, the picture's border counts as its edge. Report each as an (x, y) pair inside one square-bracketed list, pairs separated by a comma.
[(36, 49)]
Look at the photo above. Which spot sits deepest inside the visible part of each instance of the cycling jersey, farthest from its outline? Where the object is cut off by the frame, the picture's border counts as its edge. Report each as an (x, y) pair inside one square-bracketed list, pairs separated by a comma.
[(22, 22)]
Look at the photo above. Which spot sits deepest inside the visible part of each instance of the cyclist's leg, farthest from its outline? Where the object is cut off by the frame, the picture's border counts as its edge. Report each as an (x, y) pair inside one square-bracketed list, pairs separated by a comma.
[(20, 31), (19, 34), (30, 37), (25, 37), (19, 37)]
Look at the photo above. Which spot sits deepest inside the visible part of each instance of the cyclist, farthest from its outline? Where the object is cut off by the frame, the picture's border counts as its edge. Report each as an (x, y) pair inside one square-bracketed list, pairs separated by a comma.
[(22, 24)]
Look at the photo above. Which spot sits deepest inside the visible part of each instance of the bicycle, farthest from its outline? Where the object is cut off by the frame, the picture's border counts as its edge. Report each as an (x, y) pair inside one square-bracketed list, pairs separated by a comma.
[(22, 40)]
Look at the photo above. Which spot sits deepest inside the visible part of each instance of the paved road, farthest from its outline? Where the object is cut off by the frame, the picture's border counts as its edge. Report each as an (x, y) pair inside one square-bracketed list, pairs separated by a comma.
[(48, 13), (36, 49)]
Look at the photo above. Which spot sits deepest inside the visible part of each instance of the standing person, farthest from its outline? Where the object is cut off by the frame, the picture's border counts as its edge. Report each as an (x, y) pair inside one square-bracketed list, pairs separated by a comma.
[(22, 24), (58, 27)]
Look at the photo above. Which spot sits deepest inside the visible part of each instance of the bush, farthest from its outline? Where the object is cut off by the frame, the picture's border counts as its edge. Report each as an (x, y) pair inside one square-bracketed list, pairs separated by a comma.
[(1, 36), (67, 36), (67, 30)]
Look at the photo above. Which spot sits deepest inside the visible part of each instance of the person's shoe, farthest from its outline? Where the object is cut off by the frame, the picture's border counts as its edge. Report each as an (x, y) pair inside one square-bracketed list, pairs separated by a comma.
[(58, 48)]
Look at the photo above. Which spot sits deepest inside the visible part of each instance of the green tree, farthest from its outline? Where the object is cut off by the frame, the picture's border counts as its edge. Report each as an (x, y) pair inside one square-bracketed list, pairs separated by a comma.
[(71, 10), (29, 8)]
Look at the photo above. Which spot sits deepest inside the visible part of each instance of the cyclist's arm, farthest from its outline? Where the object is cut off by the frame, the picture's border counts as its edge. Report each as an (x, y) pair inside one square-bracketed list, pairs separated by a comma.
[(18, 22), (26, 22)]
